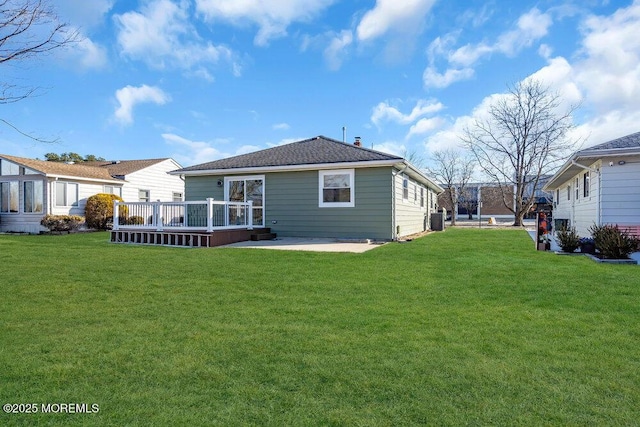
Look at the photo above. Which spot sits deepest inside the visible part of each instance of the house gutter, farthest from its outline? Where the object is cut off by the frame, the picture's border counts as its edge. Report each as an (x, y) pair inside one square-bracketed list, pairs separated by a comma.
[(286, 168), (574, 163)]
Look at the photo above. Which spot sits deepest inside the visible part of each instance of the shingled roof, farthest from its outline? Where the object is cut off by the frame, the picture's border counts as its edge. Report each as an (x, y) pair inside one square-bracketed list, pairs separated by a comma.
[(63, 169), (628, 145), (101, 170), (121, 168), (628, 141), (313, 151)]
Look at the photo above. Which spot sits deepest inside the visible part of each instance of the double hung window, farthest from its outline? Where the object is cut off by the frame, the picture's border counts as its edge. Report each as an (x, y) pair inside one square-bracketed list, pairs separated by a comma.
[(336, 188)]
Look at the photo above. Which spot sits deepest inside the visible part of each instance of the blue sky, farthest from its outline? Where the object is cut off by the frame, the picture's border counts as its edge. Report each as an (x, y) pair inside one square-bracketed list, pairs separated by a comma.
[(198, 80)]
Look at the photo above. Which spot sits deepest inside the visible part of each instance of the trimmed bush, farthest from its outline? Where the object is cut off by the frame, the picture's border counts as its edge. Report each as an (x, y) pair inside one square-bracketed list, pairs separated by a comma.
[(131, 220), (613, 243), (60, 223), (568, 239), (99, 210)]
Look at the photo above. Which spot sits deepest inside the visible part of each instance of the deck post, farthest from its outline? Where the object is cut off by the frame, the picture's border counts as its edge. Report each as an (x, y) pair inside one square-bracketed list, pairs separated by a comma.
[(156, 215), (250, 214), (209, 214), (116, 217)]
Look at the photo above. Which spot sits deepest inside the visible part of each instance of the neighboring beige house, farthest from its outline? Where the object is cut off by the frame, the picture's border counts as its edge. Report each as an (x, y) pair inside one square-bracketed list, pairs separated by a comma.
[(599, 185), (30, 189)]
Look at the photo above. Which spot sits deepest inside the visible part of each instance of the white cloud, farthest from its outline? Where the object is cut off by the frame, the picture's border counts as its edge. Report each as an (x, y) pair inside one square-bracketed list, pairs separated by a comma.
[(192, 152), (84, 54), (392, 15), (385, 112), (281, 126), (335, 53), (604, 76), (391, 147), (195, 152), (129, 96), (162, 35), (84, 13), (92, 55), (531, 27), (609, 68), (424, 126), (272, 17), (431, 77)]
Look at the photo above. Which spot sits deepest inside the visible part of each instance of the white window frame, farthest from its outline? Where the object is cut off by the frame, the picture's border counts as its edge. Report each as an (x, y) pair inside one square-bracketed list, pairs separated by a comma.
[(352, 189), (112, 189), (586, 184), (177, 196), (148, 195), (12, 185), (35, 196), (405, 188), (74, 201), (245, 178)]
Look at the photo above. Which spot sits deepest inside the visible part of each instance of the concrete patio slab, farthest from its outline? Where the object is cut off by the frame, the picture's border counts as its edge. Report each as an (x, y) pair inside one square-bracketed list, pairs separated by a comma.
[(307, 244)]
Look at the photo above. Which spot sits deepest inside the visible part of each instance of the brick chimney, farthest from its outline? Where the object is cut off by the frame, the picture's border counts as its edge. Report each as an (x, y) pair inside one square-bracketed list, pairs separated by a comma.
[(357, 142)]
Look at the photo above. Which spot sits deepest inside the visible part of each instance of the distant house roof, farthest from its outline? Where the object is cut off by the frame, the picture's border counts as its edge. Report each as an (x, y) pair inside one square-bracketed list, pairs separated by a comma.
[(319, 152), (121, 168), (628, 145), (113, 171), (64, 170)]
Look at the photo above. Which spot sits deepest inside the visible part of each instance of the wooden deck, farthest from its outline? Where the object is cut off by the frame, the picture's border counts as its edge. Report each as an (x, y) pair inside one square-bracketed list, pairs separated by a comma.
[(192, 239)]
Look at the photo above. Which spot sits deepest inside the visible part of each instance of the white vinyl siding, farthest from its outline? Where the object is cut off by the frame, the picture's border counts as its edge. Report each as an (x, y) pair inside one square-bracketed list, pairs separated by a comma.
[(156, 180), (412, 215)]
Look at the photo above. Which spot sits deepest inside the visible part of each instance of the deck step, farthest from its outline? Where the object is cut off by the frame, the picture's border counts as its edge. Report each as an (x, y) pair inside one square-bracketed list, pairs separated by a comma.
[(263, 236)]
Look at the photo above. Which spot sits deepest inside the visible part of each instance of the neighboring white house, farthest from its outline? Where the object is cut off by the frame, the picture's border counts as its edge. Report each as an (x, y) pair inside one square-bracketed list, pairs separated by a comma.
[(31, 189), (599, 185), (146, 180)]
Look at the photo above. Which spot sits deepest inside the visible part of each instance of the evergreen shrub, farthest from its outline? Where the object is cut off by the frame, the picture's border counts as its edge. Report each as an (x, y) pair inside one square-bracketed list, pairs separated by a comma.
[(99, 210), (613, 243), (60, 223)]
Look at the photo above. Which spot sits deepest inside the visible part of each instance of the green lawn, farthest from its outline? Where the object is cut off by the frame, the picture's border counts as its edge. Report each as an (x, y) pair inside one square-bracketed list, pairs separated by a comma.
[(456, 328)]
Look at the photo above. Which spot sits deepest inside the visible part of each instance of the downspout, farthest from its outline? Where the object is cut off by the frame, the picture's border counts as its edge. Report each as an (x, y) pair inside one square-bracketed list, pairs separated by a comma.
[(599, 217), (574, 163)]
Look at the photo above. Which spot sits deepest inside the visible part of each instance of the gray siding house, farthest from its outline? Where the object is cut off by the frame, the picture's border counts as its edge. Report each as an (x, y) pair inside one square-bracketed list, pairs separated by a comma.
[(321, 187)]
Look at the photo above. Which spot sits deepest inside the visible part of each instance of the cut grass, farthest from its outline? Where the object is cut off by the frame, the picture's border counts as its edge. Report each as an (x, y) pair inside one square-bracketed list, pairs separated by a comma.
[(462, 327)]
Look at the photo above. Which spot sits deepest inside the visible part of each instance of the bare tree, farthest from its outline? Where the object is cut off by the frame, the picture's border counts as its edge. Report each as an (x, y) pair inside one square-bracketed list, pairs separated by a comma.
[(28, 29), (468, 199), (454, 170), (523, 137), (414, 158)]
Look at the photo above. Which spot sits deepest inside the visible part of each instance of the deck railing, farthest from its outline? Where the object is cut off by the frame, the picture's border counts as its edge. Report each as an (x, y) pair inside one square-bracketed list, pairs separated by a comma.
[(207, 215)]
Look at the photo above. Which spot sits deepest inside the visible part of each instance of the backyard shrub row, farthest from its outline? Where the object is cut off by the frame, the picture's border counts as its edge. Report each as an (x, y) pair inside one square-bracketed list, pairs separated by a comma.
[(608, 241)]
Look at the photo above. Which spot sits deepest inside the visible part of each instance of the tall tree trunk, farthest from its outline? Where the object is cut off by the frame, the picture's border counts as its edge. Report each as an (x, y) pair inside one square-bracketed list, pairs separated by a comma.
[(454, 211)]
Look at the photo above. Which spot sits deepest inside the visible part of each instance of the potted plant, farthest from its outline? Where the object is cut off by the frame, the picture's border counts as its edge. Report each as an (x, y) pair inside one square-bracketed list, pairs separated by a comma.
[(587, 245)]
